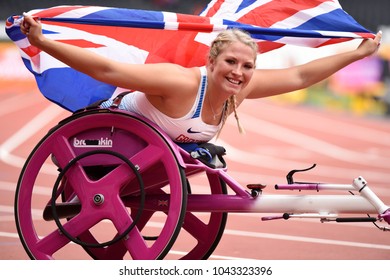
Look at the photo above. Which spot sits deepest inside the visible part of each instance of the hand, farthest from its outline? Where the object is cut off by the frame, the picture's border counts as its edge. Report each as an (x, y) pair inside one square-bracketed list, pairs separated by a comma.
[(370, 46), (32, 28)]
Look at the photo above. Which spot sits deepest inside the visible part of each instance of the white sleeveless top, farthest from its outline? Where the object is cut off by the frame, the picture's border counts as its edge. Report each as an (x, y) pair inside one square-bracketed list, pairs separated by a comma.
[(187, 129)]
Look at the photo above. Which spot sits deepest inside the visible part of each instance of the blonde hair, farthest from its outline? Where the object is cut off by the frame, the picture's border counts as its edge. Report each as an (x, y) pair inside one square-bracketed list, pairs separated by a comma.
[(230, 105), (223, 39), (229, 36)]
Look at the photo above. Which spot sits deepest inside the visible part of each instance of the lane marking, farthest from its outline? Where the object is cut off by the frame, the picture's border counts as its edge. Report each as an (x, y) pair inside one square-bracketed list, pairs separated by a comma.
[(22, 102), (310, 143), (306, 239), (270, 162), (363, 132), (26, 132), (172, 252)]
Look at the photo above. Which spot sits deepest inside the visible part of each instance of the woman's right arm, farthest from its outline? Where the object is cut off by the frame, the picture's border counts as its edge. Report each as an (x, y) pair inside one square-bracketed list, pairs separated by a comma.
[(131, 76), (75, 57)]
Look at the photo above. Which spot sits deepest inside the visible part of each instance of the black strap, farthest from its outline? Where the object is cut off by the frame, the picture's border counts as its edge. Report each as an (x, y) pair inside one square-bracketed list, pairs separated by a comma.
[(115, 103), (118, 99)]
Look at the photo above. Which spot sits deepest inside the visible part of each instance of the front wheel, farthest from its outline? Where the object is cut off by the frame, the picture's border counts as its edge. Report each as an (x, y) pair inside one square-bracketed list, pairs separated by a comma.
[(102, 159)]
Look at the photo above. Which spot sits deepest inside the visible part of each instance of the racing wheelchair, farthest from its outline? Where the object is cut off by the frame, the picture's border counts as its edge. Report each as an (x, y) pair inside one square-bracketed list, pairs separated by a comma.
[(122, 191)]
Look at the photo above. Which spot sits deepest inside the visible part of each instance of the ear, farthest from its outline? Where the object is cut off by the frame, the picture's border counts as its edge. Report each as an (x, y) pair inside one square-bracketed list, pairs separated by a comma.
[(210, 63)]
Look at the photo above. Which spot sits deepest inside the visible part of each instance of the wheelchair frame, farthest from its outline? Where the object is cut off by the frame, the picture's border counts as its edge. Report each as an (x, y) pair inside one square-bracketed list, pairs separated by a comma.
[(115, 167)]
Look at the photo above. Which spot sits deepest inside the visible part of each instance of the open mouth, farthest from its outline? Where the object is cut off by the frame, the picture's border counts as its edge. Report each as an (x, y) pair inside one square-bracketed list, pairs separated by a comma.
[(233, 81)]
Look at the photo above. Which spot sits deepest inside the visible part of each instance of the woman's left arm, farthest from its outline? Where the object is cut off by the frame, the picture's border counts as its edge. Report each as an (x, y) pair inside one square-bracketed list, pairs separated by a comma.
[(272, 82)]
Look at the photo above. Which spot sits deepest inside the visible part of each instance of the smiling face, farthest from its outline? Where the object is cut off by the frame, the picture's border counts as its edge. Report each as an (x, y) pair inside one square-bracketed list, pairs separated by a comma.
[(233, 68)]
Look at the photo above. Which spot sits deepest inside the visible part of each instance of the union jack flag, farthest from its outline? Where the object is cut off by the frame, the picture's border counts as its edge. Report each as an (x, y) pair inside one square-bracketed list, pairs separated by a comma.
[(141, 36)]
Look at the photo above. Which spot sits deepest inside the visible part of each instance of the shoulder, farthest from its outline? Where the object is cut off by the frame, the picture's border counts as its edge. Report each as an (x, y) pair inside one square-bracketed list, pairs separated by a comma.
[(178, 72), (187, 76), (165, 79), (178, 81)]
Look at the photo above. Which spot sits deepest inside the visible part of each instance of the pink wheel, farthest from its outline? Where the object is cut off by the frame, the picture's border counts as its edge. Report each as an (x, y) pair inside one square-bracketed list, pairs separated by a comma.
[(115, 180), (200, 233), (203, 230)]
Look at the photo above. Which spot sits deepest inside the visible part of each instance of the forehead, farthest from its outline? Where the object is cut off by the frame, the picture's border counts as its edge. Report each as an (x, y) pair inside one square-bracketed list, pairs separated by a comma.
[(239, 50)]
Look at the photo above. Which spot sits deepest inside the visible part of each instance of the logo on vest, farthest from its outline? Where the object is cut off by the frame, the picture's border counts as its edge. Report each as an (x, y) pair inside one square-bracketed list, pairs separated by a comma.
[(88, 143), (184, 139), (192, 131)]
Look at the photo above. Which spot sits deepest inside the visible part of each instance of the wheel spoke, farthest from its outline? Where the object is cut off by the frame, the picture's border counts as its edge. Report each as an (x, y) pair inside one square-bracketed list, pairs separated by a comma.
[(147, 157), (116, 251), (75, 175), (144, 161), (62, 151), (195, 226), (118, 178), (52, 243), (57, 240), (136, 245), (119, 249)]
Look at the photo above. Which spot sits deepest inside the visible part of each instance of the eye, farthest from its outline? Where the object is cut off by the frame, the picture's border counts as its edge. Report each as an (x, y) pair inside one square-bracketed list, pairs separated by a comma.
[(248, 66), (230, 61)]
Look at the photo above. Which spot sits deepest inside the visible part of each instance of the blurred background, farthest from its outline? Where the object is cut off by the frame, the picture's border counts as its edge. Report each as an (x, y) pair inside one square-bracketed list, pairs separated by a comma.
[(362, 88)]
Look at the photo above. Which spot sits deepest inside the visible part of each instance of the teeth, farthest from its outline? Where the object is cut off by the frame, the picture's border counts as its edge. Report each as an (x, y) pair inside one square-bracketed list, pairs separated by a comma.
[(234, 81)]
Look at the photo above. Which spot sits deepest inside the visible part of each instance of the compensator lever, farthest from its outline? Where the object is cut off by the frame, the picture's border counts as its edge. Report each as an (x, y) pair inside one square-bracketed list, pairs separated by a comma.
[(290, 179)]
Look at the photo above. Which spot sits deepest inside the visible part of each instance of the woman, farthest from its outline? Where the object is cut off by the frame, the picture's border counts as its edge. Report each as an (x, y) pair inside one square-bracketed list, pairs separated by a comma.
[(192, 104)]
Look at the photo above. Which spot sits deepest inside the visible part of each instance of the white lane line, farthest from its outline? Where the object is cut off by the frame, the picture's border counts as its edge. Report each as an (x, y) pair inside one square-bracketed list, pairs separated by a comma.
[(172, 252), (261, 235), (306, 142), (344, 129), (11, 187), (220, 257), (24, 133), (271, 162), (17, 103), (305, 239), (9, 234)]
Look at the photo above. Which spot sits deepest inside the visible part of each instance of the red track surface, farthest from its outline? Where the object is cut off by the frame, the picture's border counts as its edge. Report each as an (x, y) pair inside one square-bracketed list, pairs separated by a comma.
[(278, 138)]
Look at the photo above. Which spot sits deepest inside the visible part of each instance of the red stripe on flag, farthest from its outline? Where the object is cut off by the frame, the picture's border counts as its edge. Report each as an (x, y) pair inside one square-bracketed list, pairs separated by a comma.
[(272, 12), (198, 27), (9, 23), (31, 51), (214, 9), (365, 35), (266, 46), (333, 41), (139, 37), (194, 23), (192, 18), (341, 40)]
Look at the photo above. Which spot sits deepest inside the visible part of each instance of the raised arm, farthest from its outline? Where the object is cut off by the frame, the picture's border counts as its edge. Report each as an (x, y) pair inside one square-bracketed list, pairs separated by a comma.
[(153, 79), (277, 81)]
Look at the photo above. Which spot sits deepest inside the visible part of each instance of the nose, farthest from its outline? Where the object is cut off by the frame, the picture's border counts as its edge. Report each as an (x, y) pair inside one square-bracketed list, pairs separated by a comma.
[(237, 70)]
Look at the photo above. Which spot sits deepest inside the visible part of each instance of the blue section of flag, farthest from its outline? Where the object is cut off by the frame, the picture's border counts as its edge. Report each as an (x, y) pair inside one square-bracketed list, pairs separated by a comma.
[(332, 21)]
